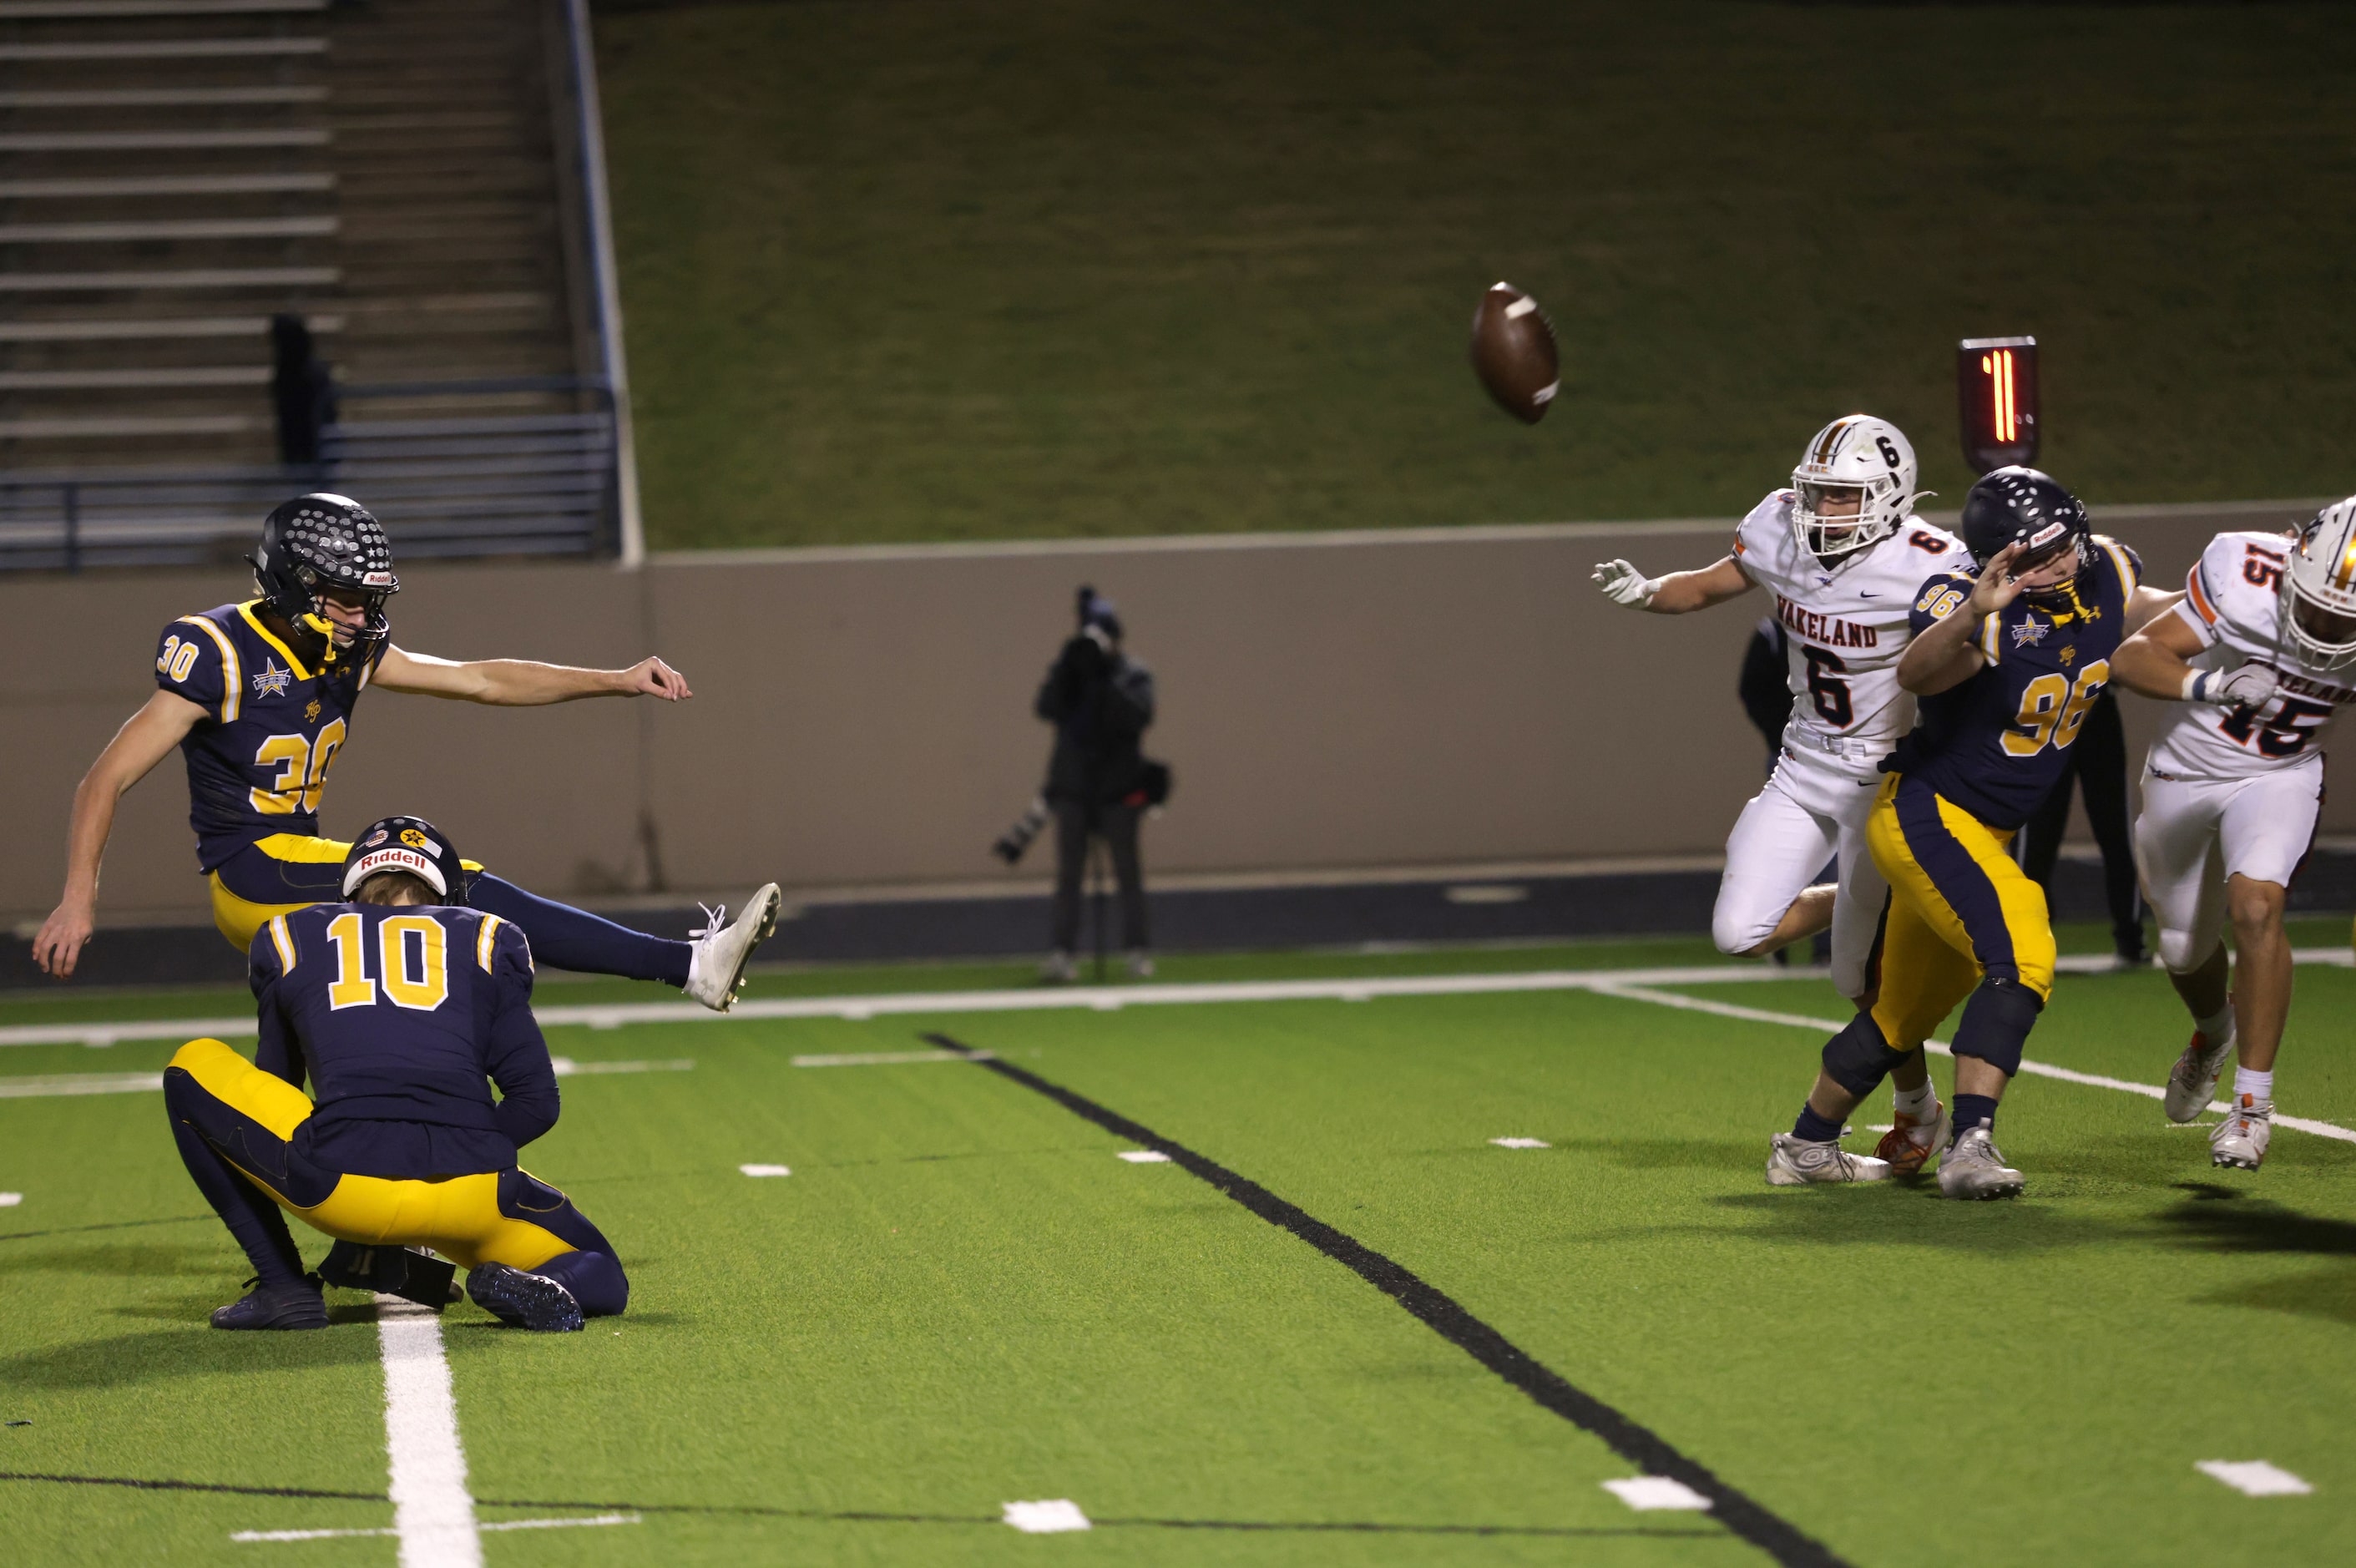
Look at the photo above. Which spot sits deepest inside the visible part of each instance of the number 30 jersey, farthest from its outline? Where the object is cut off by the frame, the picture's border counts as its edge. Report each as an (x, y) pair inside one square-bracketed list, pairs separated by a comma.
[(1997, 743), (258, 761), (1845, 624), (2233, 602)]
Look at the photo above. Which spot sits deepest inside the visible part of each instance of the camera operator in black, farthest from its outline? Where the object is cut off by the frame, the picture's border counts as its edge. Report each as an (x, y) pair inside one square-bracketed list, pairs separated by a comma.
[(1100, 701)]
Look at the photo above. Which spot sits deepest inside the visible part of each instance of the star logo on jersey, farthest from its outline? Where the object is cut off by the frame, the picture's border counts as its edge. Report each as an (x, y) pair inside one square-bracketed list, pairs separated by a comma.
[(2029, 632), (271, 682), (311, 714)]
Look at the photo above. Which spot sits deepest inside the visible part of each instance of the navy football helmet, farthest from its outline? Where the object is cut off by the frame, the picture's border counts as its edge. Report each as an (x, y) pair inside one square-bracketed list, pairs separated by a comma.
[(407, 843), (322, 541), (2028, 507)]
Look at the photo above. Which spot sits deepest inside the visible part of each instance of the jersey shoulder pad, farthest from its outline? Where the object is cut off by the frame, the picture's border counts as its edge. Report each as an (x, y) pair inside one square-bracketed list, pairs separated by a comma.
[(500, 943), (2237, 584), (197, 657), (2124, 558), (1941, 595), (1763, 537)]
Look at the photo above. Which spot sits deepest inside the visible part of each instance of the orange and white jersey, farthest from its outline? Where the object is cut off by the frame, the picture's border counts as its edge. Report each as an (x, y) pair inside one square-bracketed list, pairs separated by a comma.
[(2233, 603), (1846, 625)]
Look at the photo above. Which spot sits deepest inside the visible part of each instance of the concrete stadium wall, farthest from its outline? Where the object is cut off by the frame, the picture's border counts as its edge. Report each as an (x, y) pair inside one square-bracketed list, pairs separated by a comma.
[(861, 717)]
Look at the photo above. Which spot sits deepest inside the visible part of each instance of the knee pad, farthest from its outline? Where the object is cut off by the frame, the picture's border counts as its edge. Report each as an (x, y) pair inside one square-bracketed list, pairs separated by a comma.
[(2176, 952), (1858, 1059), (1996, 1023)]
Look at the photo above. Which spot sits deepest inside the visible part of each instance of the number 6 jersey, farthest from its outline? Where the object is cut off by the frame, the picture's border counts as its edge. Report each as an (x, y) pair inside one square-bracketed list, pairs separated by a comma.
[(2233, 602), (1846, 625), (1996, 743), (258, 761)]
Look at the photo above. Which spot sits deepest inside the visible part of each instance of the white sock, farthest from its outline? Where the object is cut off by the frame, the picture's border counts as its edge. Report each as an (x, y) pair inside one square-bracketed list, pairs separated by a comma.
[(2256, 1085), (2218, 1028), (1917, 1102)]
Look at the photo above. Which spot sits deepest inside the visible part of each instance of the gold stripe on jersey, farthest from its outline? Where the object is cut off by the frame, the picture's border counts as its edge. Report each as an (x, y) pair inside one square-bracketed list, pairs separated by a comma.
[(284, 940), (1991, 640), (483, 941), (302, 672), (232, 676), (2127, 578)]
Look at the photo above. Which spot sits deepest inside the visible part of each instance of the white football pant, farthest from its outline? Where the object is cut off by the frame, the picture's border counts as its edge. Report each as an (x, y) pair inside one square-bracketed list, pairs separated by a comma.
[(2192, 833), (1813, 808)]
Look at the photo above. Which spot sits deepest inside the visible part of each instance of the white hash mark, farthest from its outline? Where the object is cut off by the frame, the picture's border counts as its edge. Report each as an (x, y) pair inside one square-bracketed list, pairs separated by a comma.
[(1645, 1492), (1140, 1157), (2254, 1478), (1047, 1517), (767, 1170), (1521, 1142)]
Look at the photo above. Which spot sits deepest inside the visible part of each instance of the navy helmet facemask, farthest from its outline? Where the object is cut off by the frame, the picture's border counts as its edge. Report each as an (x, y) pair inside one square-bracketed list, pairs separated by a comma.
[(406, 843), (2025, 507), (318, 542)]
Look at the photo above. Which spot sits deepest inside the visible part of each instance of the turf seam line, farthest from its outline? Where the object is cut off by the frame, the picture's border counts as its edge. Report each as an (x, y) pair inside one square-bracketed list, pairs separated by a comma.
[(1741, 1513), (109, 1225), (1351, 1527)]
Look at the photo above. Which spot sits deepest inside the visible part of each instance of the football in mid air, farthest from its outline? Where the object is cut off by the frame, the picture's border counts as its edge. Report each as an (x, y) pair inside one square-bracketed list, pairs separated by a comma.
[(1514, 352)]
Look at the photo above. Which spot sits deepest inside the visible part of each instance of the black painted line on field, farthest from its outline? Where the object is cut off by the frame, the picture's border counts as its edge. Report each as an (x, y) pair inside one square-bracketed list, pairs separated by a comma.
[(138, 1484), (1744, 1515), (110, 1225)]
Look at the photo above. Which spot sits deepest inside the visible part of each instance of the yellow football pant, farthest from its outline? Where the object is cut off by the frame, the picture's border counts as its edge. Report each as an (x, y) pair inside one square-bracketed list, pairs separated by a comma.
[(281, 866), (1959, 909), (458, 1217)]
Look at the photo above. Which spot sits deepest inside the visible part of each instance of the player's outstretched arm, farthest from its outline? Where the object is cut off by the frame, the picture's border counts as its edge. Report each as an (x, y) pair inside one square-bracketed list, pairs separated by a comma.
[(2158, 661), (1679, 593), (1943, 654), (522, 683), (144, 740)]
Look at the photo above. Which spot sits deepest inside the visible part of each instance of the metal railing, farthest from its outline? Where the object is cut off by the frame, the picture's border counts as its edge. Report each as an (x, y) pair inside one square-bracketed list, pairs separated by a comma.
[(536, 484)]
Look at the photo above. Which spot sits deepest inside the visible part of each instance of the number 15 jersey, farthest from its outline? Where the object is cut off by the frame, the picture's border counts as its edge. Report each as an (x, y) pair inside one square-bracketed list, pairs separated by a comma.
[(1845, 624), (2232, 601)]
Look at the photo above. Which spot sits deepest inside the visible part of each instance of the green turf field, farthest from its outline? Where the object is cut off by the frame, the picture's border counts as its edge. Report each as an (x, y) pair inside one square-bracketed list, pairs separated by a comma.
[(930, 271), (961, 1298)]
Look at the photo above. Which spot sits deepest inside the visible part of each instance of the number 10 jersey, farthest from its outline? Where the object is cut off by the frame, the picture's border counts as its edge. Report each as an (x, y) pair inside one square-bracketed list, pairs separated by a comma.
[(1846, 626)]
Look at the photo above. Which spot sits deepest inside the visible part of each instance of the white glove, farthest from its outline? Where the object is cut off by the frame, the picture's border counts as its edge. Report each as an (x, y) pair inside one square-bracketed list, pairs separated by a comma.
[(2248, 687), (1623, 585)]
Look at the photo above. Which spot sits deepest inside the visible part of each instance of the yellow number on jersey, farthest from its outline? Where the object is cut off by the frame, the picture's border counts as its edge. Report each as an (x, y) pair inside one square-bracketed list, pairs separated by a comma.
[(2090, 682), (177, 659), (2052, 711), (353, 988), (303, 777), (432, 986)]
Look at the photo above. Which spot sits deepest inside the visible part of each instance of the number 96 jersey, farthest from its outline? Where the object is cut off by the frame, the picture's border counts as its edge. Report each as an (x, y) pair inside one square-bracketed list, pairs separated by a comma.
[(258, 761), (2233, 602), (1997, 743), (1846, 625)]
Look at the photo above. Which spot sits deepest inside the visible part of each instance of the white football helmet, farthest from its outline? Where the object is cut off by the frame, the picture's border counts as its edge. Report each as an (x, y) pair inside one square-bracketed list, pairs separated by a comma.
[(1860, 455), (2318, 592)]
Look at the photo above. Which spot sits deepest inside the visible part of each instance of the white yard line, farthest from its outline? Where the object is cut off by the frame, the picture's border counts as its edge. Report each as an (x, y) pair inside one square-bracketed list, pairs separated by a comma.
[(431, 1512), (1939, 1048), (1101, 998)]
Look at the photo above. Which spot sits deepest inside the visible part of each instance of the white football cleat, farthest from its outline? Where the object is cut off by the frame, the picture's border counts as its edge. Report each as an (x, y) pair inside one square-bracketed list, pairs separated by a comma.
[(715, 969), (2240, 1140), (1795, 1161), (1059, 968), (1909, 1144), (2192, 1081), (1140, 964), (1972, 1168)]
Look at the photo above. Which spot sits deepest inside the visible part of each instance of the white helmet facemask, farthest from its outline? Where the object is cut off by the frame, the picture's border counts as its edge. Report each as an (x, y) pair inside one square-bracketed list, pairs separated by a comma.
[(2319, 591), (1854, 455)]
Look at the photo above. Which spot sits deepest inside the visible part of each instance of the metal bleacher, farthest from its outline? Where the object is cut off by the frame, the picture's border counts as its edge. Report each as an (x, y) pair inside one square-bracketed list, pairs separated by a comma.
[(416, 180)]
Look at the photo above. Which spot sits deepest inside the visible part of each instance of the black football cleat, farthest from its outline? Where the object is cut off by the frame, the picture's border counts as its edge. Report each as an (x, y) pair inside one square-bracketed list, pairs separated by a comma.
[(298, 1306), (524, 1300)]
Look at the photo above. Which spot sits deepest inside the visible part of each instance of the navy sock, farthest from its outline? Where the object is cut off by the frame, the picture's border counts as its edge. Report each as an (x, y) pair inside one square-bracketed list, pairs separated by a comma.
[(576, 939), (595, 1280), (1972, 1110), (251, 1217), (1814, 1128)]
